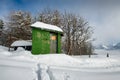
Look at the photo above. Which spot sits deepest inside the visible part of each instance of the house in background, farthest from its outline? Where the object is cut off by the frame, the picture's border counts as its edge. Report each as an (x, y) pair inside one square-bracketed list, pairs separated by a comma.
[(26, 44), (46, 38)]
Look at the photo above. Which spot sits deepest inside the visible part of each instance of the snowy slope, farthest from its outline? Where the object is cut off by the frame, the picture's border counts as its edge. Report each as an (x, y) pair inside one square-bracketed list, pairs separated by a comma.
[(59, 66), (4, 51), (114, 46), (64, 60)]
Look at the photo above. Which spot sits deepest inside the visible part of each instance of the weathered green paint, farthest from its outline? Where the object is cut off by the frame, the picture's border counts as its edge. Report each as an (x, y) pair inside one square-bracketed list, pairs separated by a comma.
[(59, 43), (41, 41)]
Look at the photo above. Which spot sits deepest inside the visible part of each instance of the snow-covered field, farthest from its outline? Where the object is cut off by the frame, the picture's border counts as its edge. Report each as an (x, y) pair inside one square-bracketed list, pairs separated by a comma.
[(59, 66)]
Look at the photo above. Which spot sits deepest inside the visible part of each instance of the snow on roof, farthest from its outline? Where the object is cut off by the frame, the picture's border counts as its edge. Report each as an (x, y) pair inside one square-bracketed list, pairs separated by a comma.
[(21, 43), (46, 26)]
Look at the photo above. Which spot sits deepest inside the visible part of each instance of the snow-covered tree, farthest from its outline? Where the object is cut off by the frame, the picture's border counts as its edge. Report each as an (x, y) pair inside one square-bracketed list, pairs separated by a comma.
[(76, 30), (1, 31), (50, 16), (18, 26)]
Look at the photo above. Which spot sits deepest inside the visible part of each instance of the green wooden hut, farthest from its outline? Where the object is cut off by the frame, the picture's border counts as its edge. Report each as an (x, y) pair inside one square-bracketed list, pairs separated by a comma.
[(46, 38)]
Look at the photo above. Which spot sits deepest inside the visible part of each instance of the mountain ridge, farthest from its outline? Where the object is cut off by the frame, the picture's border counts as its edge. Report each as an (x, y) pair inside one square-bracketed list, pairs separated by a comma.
[(108, 47)]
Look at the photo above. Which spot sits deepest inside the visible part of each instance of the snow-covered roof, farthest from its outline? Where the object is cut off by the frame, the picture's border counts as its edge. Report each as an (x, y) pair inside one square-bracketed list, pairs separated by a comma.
[(50, 27), (21, 43)]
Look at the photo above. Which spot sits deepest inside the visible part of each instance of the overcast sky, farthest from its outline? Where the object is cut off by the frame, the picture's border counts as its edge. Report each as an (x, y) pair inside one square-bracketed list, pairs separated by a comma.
[(103, 15)]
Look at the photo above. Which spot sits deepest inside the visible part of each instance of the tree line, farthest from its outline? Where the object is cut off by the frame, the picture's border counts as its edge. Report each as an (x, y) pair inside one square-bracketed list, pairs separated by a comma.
[(77, 32)]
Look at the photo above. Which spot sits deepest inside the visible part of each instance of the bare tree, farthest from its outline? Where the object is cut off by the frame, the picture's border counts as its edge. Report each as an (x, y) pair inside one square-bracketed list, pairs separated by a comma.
[(76, 30), (68, 30), (50, 16)]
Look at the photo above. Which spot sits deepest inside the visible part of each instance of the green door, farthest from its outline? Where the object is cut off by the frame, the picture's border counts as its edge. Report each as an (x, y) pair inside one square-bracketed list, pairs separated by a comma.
[(53, 43)]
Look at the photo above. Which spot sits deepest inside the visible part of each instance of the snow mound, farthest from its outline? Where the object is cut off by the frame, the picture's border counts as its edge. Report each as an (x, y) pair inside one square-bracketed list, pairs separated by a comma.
[(22, 55), (20, 49), (57, 60), (2, 48), (4, 51)]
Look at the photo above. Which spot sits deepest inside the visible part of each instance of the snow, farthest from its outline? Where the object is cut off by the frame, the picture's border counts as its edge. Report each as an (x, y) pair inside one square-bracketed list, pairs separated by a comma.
[(65, 74), (21, 43), (64, 67), (42, 25), (56, 60), (63, 60), (20, 49), (105, 47), (4, 51), (112, 53), (114, 44), (43, 70), (2, 48)]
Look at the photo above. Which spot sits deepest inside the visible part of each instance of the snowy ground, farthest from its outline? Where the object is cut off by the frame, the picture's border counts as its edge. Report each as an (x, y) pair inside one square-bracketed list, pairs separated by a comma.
[(68, 74), (64, 67)]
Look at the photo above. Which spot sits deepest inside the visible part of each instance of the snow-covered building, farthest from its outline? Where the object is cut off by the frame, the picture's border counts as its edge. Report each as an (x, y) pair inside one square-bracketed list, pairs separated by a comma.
[(26, 44), (46, 38)]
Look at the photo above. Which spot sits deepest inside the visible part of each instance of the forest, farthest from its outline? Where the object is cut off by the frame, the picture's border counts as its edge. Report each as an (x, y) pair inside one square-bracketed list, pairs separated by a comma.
[(77, 31)]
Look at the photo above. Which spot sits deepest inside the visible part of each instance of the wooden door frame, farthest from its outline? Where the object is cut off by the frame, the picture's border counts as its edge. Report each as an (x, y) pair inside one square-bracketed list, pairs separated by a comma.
[(56, 41)]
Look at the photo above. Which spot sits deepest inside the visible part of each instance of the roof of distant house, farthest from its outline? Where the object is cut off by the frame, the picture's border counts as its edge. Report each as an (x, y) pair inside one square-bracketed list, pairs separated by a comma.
[(45, 26), (21, 43)]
